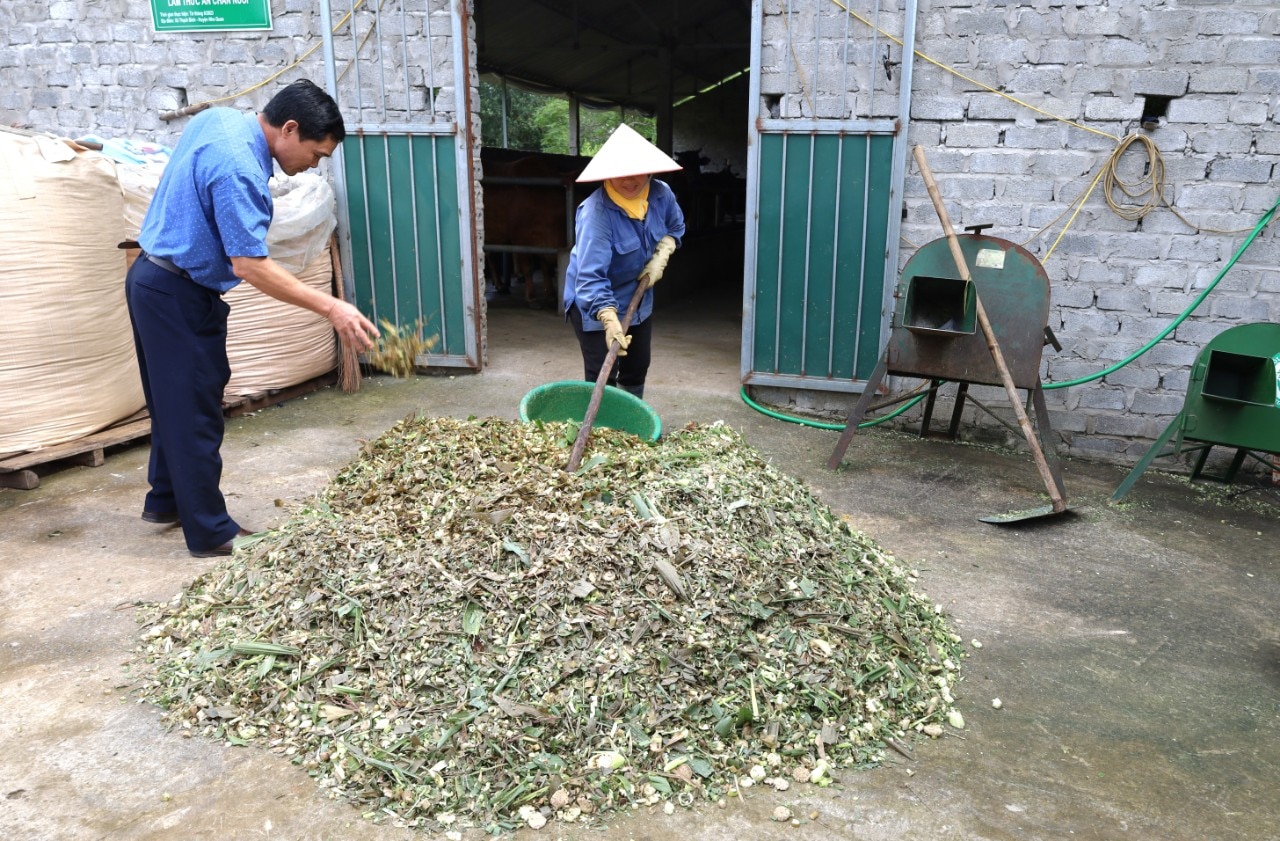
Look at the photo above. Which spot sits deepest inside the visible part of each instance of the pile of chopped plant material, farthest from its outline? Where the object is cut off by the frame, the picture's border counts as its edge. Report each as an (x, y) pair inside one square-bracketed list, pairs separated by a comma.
[(458, 632)]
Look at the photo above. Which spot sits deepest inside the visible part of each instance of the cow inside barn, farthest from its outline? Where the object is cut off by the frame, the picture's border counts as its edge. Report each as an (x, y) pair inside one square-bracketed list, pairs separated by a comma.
[(529, 199)]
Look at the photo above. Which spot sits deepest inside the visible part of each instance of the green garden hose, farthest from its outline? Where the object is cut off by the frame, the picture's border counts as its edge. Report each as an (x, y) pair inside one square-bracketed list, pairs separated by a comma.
[(1173, 325)]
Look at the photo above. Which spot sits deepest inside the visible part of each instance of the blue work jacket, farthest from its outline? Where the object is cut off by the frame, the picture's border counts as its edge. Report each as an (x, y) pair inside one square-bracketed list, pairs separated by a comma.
[(611, 249)]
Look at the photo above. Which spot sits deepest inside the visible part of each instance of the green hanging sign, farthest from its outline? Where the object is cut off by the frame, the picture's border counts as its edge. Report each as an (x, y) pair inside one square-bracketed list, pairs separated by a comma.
[(210, 15)]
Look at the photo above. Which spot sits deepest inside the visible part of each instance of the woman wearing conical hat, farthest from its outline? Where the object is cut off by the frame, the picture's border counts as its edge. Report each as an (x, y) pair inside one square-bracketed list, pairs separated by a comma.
[(625, 231)]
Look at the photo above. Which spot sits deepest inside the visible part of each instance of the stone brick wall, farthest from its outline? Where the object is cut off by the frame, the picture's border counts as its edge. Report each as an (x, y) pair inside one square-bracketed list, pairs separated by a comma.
[(1115, 283), (78, 67)]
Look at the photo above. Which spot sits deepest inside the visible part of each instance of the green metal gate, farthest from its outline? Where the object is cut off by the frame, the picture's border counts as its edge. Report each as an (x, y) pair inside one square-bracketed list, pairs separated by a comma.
[(403, 178), (824, 184)]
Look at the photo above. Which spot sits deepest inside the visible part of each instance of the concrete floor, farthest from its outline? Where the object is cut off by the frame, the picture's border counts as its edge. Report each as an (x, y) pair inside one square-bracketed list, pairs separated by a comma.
[(1136, 649)]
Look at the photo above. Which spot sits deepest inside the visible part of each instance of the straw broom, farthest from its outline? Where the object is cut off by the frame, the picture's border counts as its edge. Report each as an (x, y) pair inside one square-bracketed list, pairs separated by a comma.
[(349, 359)]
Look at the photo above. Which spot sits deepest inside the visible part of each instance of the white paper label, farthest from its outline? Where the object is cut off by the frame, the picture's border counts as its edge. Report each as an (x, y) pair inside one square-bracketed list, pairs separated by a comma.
[(991, 258)]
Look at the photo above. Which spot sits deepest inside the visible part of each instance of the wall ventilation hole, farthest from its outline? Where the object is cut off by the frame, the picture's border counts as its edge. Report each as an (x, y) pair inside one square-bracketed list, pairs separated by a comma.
[(1154, 110)]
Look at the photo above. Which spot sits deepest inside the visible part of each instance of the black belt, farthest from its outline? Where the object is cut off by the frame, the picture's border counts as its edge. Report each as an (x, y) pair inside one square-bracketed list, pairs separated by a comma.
[(167, 265)]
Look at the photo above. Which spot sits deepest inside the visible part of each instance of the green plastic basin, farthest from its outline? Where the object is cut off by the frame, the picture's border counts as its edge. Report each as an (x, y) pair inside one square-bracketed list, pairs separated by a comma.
[(568, 400)]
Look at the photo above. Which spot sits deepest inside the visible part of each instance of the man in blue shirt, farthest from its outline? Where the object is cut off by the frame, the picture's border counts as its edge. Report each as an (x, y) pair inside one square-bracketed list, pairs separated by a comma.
[(623, 235), (205, 231)]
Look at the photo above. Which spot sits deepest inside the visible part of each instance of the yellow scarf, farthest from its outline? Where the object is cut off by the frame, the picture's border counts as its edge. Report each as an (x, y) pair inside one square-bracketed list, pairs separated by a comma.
[(635, 208)]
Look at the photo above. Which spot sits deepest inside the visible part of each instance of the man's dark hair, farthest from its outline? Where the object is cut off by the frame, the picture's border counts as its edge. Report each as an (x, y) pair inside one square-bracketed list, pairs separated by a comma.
[(311, 107)]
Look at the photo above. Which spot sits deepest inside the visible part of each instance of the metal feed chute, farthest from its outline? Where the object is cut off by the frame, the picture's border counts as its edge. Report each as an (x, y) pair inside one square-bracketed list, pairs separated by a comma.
[(1233, 400), (936, 334)]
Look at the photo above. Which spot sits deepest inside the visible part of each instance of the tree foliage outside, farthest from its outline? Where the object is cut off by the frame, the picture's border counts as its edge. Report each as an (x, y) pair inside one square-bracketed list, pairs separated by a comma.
[(540, 122), (522, 105)]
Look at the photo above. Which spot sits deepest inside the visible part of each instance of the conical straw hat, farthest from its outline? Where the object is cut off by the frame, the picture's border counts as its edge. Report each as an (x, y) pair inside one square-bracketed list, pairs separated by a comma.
[(626, 153)]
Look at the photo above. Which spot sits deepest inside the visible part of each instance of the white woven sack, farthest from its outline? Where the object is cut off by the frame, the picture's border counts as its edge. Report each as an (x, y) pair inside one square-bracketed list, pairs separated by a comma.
[(305, 211), (271, 344), (304, 218), (138, 182), (67, 365)]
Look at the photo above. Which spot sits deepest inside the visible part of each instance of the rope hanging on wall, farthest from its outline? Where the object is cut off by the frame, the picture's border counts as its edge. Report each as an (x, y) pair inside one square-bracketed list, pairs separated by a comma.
[(1149, 189), (197, 107)]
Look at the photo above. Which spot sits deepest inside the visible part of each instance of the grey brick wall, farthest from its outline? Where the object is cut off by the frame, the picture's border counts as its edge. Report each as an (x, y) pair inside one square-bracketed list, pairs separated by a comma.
[(79, 67), (1115, 283)]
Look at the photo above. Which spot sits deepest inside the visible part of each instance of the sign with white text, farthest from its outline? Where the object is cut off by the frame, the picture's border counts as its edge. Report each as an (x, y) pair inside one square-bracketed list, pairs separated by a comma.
[(210, 15)]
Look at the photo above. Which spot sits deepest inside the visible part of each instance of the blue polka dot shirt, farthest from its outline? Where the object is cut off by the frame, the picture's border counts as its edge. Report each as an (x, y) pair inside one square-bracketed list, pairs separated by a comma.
[(213, 201)]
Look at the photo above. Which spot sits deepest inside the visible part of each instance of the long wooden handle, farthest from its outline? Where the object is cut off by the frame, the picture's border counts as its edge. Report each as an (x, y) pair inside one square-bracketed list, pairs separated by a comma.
[(584, 431), (1059, 504), (188, 111)]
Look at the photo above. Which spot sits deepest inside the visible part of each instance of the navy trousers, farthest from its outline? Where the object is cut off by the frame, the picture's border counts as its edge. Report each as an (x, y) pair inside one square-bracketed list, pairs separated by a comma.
[(180, 333), (630, 371)]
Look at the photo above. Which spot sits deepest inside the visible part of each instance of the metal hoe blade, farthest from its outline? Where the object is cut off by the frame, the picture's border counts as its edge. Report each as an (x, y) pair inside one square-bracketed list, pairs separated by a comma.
[(1008, 517)]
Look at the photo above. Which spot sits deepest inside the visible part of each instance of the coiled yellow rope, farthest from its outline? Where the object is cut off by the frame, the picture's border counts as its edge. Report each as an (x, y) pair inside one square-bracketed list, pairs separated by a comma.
[(1140, 197)]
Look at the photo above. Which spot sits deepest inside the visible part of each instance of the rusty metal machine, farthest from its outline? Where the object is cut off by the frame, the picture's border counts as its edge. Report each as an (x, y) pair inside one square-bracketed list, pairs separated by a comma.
[(1233, 400), (936, 333)]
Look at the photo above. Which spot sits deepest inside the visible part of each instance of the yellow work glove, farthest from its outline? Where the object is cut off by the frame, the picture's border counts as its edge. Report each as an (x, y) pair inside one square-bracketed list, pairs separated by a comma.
[(658, 262), (613, 330)]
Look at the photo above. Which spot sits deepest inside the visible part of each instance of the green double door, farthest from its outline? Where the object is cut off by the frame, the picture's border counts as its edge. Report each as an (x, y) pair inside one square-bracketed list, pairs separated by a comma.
[(406, 240), (820, 277)]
